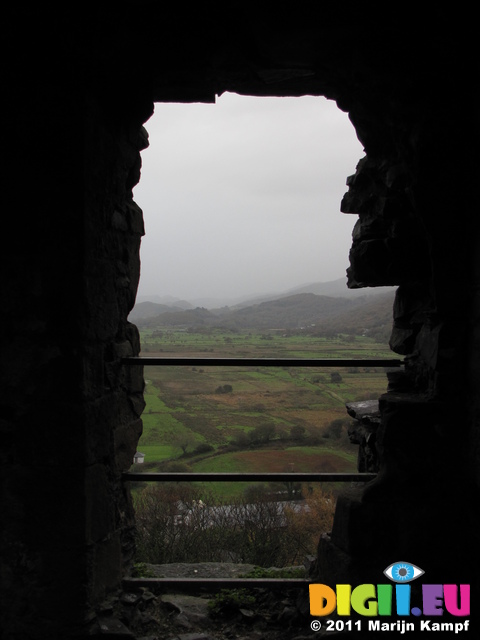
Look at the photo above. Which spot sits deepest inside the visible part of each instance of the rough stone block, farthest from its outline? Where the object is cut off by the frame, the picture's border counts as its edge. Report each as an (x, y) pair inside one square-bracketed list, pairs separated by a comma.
[(114, 629), (105, 567), (357, 527), (402, 341), (126, 440), (100, 505)]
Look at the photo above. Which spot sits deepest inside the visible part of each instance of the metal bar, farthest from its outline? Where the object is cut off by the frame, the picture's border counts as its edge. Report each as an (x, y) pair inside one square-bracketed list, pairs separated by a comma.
[(212, 584), (262, 362), (247, 477)]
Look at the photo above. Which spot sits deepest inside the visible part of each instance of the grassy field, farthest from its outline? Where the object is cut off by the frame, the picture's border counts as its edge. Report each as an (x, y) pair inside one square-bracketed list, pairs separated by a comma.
[(222, 343), (224, 407)]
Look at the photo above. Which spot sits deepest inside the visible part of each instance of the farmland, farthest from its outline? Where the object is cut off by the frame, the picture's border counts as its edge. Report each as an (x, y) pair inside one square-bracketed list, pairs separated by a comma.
[(262, 419)]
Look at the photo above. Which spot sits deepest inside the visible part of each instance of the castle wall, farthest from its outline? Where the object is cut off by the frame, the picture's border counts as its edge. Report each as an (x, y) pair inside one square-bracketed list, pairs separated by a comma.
[(80, 87)]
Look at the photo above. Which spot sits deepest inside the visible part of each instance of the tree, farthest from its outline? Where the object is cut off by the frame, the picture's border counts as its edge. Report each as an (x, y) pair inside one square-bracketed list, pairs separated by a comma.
[(297, 432), (336, 428), (305, 526), (241, 440), (184, 440), (262, 434)]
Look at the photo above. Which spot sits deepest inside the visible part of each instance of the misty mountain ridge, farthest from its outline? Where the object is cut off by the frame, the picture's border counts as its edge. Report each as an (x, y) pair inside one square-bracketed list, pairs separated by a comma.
[(150, 309), (322, 315), (148, 306)]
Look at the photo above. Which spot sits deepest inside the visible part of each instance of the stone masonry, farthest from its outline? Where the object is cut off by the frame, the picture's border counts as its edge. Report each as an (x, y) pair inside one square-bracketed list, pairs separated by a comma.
[(80, 85)]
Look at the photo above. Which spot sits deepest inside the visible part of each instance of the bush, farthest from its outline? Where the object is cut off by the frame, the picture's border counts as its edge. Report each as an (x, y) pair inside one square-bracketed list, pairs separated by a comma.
[(225, 388), (177, 467), (184, 524), (241, 440), (229, 601), (140, 570), (203, 447), (262, 434), (297, 432), (337, 428)]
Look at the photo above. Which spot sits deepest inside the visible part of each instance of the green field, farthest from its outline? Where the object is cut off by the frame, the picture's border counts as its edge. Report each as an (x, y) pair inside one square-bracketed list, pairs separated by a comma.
[(253, 418)]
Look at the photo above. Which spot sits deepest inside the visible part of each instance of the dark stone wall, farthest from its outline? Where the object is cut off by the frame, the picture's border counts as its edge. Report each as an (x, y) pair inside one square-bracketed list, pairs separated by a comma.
[(80, 86), (42, 381), (416, 229), (113, 393), (70, 412)]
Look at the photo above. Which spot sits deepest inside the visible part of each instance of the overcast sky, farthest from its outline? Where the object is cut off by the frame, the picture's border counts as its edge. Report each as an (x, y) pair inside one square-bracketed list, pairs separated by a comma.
[(243, 197)]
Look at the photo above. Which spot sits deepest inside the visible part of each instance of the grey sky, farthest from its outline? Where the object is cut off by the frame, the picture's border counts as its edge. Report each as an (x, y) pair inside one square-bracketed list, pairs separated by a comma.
[(243, 197)]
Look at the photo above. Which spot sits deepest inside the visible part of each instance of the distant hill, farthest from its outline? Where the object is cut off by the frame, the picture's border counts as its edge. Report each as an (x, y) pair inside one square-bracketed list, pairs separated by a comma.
[(334, 288), (168, 301), (178, 318), (322, 315), (287, 312), (370, 315), (145, 306), (338, 288), (151, 309)]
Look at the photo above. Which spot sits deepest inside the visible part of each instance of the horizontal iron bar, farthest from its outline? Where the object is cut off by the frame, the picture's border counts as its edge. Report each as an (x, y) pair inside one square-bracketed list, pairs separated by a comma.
[(247, 477), (263, 362), (212, 584)]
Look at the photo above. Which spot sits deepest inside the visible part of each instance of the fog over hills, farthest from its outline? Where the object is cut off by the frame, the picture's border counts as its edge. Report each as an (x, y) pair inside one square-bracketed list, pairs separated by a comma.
[(359, 311), (153, 305)]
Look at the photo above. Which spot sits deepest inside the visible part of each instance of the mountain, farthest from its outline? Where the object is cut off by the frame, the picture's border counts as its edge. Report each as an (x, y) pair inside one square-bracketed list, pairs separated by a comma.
[(168, 301), (333, 288), (337, 288), (151, 309), (320, 315), (316, 314), (287, 312), (370, 315), (178, 318)]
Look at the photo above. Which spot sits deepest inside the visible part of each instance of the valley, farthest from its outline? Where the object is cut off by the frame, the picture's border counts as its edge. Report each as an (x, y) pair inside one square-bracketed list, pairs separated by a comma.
[(255, 418), (214, 418)]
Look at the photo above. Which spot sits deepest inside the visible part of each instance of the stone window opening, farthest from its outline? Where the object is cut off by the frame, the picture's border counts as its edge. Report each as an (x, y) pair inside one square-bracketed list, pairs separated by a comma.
[(162, 211), (78, 91), (234, 174)]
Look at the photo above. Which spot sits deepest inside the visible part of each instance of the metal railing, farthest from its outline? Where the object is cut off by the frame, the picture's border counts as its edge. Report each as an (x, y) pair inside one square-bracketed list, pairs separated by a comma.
[(213, 584), (153, 361)]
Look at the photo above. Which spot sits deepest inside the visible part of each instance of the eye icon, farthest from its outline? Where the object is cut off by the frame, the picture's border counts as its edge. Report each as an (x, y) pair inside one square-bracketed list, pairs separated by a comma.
[(403, 572)]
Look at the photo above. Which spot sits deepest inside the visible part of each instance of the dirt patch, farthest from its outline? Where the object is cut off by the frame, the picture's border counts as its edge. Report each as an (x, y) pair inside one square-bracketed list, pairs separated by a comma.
[(278, 461)]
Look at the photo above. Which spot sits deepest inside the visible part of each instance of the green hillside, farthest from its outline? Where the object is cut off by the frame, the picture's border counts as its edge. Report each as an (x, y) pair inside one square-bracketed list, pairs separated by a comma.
[(319, 315)]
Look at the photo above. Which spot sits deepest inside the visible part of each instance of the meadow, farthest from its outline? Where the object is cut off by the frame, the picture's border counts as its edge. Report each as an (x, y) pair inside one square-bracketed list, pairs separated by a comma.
[(261, 419)]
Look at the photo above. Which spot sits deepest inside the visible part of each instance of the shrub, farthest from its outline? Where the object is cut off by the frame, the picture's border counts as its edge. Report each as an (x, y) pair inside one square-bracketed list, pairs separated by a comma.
[(337, 428), (242, 440), (306, 526), (177, 467), (229, 601), (262, 434), (140, 570), (184, 524), (225, 388), (297, 432), (203, 447)]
